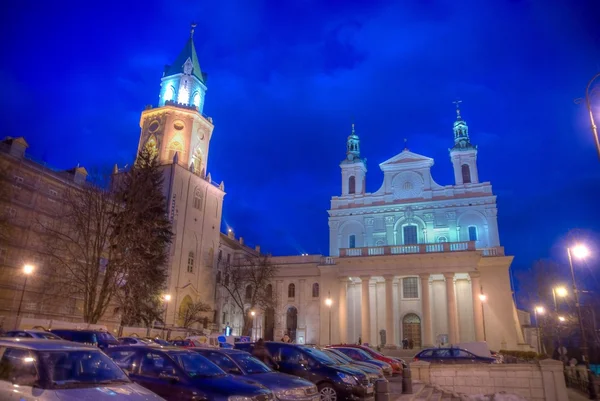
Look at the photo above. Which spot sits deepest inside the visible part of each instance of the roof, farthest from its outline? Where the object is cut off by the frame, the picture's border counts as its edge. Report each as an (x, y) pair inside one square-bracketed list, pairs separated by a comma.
[(189, 51), (406, 156), (44, 345)]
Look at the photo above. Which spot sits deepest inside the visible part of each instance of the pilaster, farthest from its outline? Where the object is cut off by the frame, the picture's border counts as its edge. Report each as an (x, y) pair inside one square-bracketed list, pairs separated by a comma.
[(426, 311), (365, 310)]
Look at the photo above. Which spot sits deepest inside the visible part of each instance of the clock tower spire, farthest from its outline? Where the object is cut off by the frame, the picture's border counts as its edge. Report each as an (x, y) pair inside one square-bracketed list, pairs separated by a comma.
[(463, 154)]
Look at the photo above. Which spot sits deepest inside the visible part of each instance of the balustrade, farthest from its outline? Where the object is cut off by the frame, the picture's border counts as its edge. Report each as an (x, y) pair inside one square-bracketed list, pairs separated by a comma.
[(420, 249)]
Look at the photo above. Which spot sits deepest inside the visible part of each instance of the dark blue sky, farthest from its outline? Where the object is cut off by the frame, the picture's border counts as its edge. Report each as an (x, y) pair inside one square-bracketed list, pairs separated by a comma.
[(287, 77)]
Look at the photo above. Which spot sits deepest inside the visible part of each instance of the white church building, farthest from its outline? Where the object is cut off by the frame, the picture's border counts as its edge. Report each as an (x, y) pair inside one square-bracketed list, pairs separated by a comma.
[(414, 260)]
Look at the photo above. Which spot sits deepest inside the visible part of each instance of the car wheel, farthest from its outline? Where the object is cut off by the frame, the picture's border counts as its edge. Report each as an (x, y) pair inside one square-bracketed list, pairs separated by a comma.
[(327, 392)]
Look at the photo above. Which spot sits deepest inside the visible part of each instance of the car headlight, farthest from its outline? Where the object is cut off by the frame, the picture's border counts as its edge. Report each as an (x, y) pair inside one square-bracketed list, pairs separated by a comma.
[(239, 398), (347, 378), (311, 390), (291, 393)]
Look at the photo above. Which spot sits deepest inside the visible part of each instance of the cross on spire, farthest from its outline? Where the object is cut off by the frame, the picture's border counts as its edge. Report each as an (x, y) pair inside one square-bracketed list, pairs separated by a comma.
[(457, 103), (193, 26), (405, 144)]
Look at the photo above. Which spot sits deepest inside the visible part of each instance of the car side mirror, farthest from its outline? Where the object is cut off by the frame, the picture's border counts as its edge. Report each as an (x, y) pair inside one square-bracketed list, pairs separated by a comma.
[(169, 376), (235, 371)]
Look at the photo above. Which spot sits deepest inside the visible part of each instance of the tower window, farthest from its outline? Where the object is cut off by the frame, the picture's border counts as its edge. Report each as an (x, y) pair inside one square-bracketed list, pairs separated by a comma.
[(466, 174), (291, 291), (196, 100), (351, 185), (169, 93), (315, 290), (218, 279), (190, 265), (352, 241), (198, 199), (410, 235), (472, 233)]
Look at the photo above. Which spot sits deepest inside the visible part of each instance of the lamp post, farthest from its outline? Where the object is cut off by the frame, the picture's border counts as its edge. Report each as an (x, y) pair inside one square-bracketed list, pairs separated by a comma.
[(539, 310), (581, 252), (329, 302), (558, 292), (589, 92), (253, 333), (27, 270), (483, 298), (166, 298)]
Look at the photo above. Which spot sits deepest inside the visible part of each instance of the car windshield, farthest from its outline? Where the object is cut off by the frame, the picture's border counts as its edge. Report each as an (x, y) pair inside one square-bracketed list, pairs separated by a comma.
[(46, 335), (106, 337), (320, 356), (80, 368), (249, 364), (335, 357), (341, 356), (195, 365)]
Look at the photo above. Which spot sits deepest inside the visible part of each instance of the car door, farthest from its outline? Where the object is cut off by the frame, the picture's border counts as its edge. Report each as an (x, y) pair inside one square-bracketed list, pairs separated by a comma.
[(290, 359), (463, 357), (158, 373), (18, 374), (443, 355)]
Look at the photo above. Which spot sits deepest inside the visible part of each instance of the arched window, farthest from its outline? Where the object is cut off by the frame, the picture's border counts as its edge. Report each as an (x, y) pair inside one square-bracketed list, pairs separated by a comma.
[(269, 291), (410, 235), (466, 174), (169, 93), (291, 291), (197, 160), (198, 197), (248, 296), (352, 241), (196, 99), (351, 185), (315, 290), (218, 277), (220, 255), (442, 239), (473, 233), (190, 265), (175, 147)]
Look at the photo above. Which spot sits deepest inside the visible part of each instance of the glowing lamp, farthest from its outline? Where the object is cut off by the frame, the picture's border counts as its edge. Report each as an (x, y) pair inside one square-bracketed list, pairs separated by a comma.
[(482, 297), (580, 251), (540, 309), (167, 297), (329, 302), (28, 269), (253, 313), (561, 318), (561, 291)]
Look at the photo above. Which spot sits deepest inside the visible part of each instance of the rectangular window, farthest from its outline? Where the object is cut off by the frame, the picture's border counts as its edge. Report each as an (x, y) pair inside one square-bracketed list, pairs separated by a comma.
[(472, 233), (410, 287), (190, 264), (410, 235), (352, 241)]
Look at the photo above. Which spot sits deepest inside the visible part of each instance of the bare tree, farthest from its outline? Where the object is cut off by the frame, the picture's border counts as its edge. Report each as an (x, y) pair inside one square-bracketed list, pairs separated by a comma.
[(194, 312), (86, 256), (248, 283)]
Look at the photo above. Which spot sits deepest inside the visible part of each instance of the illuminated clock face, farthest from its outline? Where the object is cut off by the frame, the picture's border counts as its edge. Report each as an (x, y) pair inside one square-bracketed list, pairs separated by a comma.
[(153, 126)]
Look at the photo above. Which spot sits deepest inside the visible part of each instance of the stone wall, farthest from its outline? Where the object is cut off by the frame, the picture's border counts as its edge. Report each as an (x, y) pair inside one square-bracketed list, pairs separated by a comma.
[(536, 382)]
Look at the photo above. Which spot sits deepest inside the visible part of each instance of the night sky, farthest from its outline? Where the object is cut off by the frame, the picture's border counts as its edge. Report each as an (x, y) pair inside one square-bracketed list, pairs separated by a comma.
[(287, 78)]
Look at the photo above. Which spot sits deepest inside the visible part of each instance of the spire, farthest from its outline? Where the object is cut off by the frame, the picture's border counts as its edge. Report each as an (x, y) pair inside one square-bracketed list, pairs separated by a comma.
[(181, 64), (461, 131), (352, 146)]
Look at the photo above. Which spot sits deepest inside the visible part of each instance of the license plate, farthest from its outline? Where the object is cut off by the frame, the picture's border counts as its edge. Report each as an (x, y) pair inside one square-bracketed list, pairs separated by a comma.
[(369, 390)]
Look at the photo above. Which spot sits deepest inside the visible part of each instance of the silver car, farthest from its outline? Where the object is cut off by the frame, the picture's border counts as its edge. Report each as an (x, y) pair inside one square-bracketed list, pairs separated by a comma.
[(32, 369)]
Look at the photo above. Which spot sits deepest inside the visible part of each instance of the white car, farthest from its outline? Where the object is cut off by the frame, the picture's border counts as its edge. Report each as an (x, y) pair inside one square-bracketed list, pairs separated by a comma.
[(135, 341), (32, 369)]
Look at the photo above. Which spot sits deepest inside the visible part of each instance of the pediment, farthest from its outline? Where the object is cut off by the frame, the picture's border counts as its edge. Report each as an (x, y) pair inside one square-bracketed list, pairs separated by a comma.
[(406, 159)]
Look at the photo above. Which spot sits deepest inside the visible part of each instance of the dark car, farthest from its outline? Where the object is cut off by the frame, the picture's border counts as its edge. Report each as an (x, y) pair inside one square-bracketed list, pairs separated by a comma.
[(100, 339), (359, 355), (333, 381), (451, 355), (285, 387), (39, 334), (181, 374), (372, 372), (397, 364)]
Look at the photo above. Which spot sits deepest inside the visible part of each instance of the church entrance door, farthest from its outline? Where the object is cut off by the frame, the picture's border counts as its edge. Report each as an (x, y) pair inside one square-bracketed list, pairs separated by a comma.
[(269, 324), (291, 322), (411, 329)]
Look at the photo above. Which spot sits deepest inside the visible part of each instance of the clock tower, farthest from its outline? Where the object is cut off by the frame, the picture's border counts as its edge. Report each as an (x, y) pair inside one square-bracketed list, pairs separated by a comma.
[(177, 130)]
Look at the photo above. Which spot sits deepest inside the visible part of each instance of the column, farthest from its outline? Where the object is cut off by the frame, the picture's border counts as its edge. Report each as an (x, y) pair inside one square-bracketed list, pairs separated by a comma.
[(279, 312), (301, 306), (365, 311), (452, 311), (477, 306), (390, 332), (343, 311), (426, 311)]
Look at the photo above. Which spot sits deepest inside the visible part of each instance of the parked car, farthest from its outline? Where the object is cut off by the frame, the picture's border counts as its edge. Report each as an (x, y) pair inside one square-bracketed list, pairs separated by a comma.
[(135, 341), (101, 339), (362, 356), (372, 372), (39, 334), (179, 374), (333, 381), (451, 355), (158, 341), (182, 343), (396, 363), (34, 369), (286, 387)]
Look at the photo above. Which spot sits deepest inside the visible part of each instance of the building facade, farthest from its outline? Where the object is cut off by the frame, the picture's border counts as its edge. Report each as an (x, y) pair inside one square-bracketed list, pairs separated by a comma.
[(414, 260)]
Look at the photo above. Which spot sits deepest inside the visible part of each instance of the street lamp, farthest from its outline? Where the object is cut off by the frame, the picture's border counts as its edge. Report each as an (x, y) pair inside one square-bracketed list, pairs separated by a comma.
[(483, 298), (558, 292), (27, 270), (539, 310), (252, 313), (561, 319), (329, 302), (580, 252), (166, 298), (589, 92)]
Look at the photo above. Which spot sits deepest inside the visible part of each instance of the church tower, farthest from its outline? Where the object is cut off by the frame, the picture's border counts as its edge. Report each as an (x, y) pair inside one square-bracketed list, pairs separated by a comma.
[(177, 130), (353, 167), (463, 154)]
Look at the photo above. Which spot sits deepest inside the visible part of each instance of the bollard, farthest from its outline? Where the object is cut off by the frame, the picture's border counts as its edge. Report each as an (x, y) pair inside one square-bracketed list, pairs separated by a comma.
[(382, 390), (406, 381)]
